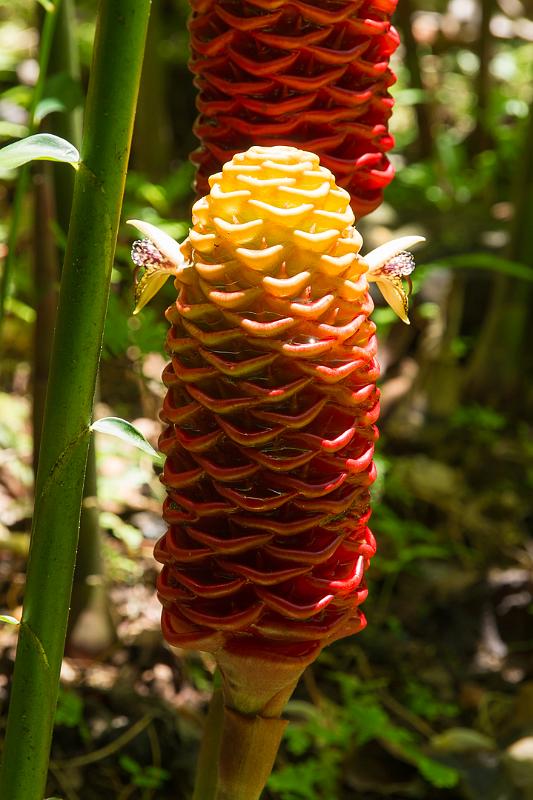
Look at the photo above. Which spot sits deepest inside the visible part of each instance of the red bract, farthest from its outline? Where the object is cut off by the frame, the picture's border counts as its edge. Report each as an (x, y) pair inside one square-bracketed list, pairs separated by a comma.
[(309, 74)]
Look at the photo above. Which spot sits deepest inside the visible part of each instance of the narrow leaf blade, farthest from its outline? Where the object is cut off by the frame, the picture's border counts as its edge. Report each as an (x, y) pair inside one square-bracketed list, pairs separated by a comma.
[(121, 429), (483, 261), (40, 147)]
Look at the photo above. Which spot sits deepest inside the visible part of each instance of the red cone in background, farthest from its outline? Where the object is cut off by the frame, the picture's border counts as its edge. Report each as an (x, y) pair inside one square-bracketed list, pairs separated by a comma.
[(310, 74)]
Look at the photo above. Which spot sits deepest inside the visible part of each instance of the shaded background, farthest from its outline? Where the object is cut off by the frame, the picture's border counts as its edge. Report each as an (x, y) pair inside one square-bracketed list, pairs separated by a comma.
[(435, 698)]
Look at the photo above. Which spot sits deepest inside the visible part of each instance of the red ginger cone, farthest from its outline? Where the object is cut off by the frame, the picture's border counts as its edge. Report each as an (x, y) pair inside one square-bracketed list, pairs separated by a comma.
[(311, 74), (270, 429)]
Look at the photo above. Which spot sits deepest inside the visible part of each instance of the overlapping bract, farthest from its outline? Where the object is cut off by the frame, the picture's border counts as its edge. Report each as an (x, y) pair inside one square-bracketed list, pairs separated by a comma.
[(313, 74), (269, 415)]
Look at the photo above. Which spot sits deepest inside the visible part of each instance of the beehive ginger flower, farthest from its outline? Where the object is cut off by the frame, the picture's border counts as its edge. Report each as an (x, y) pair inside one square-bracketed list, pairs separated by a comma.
[(270, 419)]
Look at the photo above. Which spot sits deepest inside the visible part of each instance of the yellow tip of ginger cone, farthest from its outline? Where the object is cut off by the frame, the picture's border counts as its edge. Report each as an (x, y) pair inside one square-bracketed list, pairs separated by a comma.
[(269, 423)]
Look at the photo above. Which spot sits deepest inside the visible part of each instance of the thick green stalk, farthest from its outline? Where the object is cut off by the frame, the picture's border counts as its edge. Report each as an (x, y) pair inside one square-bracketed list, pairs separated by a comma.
[(89, 591), (99, 187), (481, 138), (248, 748), (237, 753), (152, 135), (205, 786), (244, 727), (502, 345), (422, 108), (45, 46), (46, 286), (64, 58), (53, 189)]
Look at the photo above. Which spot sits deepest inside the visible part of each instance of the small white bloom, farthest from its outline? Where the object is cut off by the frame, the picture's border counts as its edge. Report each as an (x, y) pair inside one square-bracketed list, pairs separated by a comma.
[(388, 266)]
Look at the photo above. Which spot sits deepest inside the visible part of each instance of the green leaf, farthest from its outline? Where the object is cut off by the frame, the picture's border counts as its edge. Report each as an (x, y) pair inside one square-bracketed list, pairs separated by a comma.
[(40, 147), (124, 430), (9, 620), (11, 130), (18, 95), (61, 93), (21, 310), (484, 261), (439, 775), (131, 536), (462, 740), (47, 106), (69, 710), (129, 765)]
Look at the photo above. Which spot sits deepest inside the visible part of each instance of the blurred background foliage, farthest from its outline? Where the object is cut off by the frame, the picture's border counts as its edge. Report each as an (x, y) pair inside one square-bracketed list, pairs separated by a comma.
[(435, 699)]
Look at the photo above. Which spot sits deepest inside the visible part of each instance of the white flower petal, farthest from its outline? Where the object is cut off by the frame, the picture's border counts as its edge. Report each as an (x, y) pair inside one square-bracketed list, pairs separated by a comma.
[(378, 257), (395, 296), (166, 245), (148, 287)]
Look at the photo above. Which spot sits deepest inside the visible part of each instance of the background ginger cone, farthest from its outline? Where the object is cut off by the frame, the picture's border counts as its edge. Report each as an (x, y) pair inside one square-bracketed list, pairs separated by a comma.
[(270, 431), (309, 74)]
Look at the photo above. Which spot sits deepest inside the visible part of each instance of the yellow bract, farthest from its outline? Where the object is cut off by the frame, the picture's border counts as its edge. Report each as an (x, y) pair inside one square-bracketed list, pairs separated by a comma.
[(277, 216)]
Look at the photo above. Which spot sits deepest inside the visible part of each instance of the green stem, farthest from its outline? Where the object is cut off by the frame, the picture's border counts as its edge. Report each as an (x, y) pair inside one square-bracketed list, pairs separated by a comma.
[(205, 786), (64, 58), (244, 727), (45, 46), (117, 60), (404, 14), (248, 748), (237, 753), (152, 136), (481, 138), (502, 344)]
